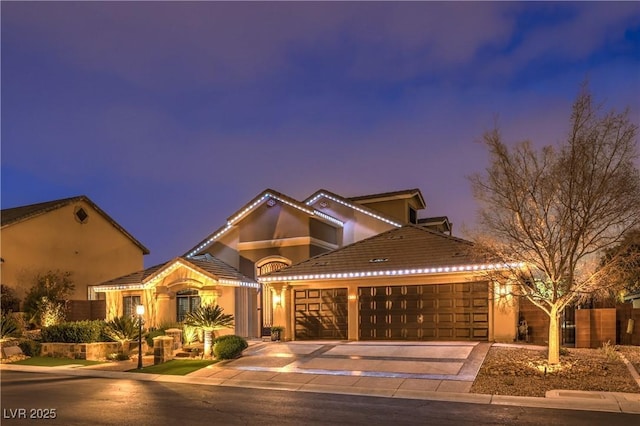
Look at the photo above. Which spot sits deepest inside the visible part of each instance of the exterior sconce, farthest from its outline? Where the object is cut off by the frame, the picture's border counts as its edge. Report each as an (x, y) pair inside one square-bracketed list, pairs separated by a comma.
[(353, 297), (277, 299)]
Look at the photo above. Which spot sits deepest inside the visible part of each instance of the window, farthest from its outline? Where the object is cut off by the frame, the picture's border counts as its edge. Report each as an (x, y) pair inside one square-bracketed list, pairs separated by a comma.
[(81, 215), (187, 301), (129, 304), (413, 215)]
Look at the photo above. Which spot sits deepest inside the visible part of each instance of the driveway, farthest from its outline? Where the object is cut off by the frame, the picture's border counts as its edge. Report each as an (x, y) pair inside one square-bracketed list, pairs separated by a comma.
[(436, 366)]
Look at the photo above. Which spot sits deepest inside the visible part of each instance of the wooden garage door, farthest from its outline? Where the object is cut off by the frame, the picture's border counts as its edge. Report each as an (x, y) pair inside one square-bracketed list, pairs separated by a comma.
[(321, 314), (425, 312)]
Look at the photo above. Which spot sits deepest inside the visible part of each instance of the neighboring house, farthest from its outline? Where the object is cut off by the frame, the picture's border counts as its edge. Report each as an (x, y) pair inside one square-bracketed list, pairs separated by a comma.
[(71, 234), (274, 231)]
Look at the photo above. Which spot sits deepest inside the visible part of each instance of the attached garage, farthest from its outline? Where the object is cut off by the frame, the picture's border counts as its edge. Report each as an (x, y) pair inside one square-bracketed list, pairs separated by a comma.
[(408, 283), (321, 313), (458, 311)]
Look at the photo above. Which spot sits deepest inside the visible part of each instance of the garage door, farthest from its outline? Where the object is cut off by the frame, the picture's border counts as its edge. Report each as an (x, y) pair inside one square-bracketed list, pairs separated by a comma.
[(425, 312), (321, 314)]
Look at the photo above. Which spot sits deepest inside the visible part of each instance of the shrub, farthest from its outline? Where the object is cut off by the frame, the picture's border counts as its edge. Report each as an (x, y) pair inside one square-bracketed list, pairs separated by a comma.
[(122, 328), (610, 351), (189, 334), (56, 286), (116, 356), (30, 347), (8, 326), (75, 332), (49, 312), (229, 346)]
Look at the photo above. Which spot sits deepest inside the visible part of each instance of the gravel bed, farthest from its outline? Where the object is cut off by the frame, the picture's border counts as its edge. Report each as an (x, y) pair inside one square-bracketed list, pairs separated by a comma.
[(525, 372)]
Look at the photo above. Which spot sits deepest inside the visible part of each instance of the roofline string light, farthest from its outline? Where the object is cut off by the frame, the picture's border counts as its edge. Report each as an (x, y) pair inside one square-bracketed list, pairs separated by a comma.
[(149, 280), (255, 204), (394, 272), (344, 203)]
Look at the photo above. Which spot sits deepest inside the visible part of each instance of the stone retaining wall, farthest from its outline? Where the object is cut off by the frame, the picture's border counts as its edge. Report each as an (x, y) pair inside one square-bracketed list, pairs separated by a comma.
[(89, 351)]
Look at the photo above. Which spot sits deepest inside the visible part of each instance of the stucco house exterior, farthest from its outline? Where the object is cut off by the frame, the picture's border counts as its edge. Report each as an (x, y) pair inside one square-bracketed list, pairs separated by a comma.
[(330, 267), (71, 234)]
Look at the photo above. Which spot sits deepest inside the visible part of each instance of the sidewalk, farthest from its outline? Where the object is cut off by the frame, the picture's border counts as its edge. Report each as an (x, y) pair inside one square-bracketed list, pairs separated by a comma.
[(386, 372)]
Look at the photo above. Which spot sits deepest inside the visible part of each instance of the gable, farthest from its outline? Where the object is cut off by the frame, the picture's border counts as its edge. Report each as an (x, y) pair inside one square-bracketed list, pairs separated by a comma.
[(261, 204), (16, 215), (203, 271)]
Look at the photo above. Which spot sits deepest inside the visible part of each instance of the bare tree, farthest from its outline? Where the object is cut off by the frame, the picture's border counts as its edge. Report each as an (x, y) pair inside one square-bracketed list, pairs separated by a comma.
[(555, 210)]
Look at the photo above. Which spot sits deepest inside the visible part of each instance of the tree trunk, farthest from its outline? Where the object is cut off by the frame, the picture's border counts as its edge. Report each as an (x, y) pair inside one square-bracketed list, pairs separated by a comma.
[(208, 342), (554, 337)]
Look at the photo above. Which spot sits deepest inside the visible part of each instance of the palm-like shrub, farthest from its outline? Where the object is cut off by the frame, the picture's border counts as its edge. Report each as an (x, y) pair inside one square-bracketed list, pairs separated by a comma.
[(8, 326), (209, 318), (122, 329)]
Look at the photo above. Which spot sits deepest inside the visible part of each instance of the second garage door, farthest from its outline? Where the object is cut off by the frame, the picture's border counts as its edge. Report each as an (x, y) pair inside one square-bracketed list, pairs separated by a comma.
[(424, 312)]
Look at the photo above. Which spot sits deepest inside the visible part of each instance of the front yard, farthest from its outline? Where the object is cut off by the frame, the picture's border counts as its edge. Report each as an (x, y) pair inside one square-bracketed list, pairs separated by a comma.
[(525, 372)]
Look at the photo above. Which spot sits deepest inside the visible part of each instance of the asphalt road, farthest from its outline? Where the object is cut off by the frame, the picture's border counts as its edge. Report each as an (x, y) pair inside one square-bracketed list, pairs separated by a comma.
[(26, 398)]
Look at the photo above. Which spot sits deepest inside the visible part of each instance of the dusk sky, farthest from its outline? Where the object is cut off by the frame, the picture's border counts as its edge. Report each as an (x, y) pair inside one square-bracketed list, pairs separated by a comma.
[(171, 116)]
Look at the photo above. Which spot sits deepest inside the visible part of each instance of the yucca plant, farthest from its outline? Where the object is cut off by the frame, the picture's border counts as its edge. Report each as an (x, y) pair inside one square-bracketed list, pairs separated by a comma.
[(209, 318), (122, 329), (8, 326)]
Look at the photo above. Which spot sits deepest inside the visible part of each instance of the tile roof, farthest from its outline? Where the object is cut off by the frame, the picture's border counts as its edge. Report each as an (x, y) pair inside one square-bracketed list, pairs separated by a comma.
[(403, 248), (16, 215), (209, 265)]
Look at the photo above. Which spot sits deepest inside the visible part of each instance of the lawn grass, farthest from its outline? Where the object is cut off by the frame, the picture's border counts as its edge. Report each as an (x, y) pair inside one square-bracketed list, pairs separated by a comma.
[(176, 367), (47, 361)]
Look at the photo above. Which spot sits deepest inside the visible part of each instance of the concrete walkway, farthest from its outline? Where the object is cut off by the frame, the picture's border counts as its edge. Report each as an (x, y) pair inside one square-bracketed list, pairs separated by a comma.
[(415, 370)]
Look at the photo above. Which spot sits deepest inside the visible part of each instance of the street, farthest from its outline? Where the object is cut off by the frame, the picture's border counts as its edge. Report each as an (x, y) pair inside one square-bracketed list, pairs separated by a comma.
[(32, 398)]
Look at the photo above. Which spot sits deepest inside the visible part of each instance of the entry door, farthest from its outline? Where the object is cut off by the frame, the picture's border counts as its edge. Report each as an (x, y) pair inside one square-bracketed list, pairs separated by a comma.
[(321, 313), (425, 312)]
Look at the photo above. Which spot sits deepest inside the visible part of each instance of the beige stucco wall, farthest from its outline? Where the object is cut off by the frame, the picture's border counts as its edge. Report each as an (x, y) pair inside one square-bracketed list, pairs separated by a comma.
[(94, 252)]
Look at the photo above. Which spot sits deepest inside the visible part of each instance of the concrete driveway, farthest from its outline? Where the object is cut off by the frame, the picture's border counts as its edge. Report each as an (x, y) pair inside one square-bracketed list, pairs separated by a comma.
[(434, 366)]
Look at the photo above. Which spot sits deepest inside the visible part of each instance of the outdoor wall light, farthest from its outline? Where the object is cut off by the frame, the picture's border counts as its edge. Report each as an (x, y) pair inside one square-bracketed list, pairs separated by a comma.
[(140, 313), (277, 299)]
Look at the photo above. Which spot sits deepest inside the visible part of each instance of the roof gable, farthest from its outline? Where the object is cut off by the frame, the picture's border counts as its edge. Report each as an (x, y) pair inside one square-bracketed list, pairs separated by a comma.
[(394, 195), (402, 251), (208, 266), (244, 211), (15, 215), (352, 205)]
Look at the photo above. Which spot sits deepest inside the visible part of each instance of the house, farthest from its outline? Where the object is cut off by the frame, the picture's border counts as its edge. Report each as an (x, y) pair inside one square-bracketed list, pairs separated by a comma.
[(329, 266), (71, 234)]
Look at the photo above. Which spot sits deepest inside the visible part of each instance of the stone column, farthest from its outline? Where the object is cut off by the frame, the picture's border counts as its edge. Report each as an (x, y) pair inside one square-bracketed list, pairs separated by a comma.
[(162, 349)]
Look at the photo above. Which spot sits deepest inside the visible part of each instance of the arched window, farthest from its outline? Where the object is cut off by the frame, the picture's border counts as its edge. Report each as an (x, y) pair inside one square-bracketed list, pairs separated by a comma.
[(187, 301), (270, 267)]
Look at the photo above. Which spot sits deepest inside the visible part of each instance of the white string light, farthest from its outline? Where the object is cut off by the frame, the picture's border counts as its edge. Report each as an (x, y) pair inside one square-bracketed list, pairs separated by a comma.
[(392, 272), (252, 206), (344, 203)]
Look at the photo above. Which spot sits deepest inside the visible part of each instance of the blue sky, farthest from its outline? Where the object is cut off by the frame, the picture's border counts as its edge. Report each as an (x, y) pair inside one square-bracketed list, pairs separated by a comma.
[(171, 116)]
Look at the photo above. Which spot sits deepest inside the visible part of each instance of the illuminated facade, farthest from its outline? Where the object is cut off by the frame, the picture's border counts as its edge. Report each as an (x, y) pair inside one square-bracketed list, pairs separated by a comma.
[(268, 244)]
